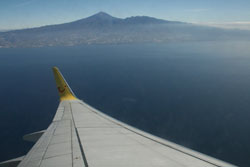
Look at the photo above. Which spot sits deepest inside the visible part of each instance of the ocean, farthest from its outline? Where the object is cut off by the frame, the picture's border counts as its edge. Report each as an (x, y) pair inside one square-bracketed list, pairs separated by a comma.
[(196, 94)]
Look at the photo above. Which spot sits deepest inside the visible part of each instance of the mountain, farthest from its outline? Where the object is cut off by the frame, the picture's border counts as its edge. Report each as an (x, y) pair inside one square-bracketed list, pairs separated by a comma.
[(103, 28)]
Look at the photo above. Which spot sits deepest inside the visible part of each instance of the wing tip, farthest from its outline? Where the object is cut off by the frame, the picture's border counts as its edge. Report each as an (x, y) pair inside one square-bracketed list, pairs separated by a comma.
[(55, 68), (63, 88)]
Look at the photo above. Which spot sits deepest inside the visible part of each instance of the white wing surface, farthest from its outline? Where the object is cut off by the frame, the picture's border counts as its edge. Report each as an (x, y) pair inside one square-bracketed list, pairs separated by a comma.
[(81, 136)]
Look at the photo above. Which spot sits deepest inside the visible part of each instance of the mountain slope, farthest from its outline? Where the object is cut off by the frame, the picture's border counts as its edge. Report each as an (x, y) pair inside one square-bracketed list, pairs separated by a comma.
[(102, 28)]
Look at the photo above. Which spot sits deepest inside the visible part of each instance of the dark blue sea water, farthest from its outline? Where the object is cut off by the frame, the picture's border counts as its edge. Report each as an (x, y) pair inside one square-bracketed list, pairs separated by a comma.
[(194, 94)]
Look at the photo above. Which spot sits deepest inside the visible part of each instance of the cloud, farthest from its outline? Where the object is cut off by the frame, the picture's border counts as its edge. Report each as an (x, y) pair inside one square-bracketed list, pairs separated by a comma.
[(242, 25)]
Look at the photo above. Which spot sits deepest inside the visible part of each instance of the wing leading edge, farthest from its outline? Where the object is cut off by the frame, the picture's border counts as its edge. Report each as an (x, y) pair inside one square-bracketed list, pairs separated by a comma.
[(80, 135)]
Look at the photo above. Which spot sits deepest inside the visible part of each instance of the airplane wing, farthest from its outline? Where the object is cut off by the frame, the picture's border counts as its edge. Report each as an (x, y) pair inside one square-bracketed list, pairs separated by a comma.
[(81, 136)]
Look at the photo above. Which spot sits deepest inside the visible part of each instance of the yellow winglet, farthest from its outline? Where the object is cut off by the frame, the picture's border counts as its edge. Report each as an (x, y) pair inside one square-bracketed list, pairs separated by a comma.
[(63, 88)]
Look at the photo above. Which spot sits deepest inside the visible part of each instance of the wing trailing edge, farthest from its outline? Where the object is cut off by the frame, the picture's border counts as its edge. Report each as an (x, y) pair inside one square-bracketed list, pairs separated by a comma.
[(33, 137), (12, 163)]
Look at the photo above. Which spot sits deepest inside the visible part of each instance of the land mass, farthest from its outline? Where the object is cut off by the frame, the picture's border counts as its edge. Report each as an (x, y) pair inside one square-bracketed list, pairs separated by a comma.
[(103, 28)]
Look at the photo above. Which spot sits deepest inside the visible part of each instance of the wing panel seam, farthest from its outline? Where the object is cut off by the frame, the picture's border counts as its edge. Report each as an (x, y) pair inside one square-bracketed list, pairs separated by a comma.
[(78, 138)]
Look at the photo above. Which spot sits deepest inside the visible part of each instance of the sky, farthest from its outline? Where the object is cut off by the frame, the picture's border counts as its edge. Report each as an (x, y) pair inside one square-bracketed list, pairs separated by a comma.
[(17, 14)]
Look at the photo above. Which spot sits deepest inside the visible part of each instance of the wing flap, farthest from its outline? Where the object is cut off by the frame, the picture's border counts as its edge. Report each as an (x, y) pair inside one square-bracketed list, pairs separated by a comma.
[(12, 163), (33, 137)]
